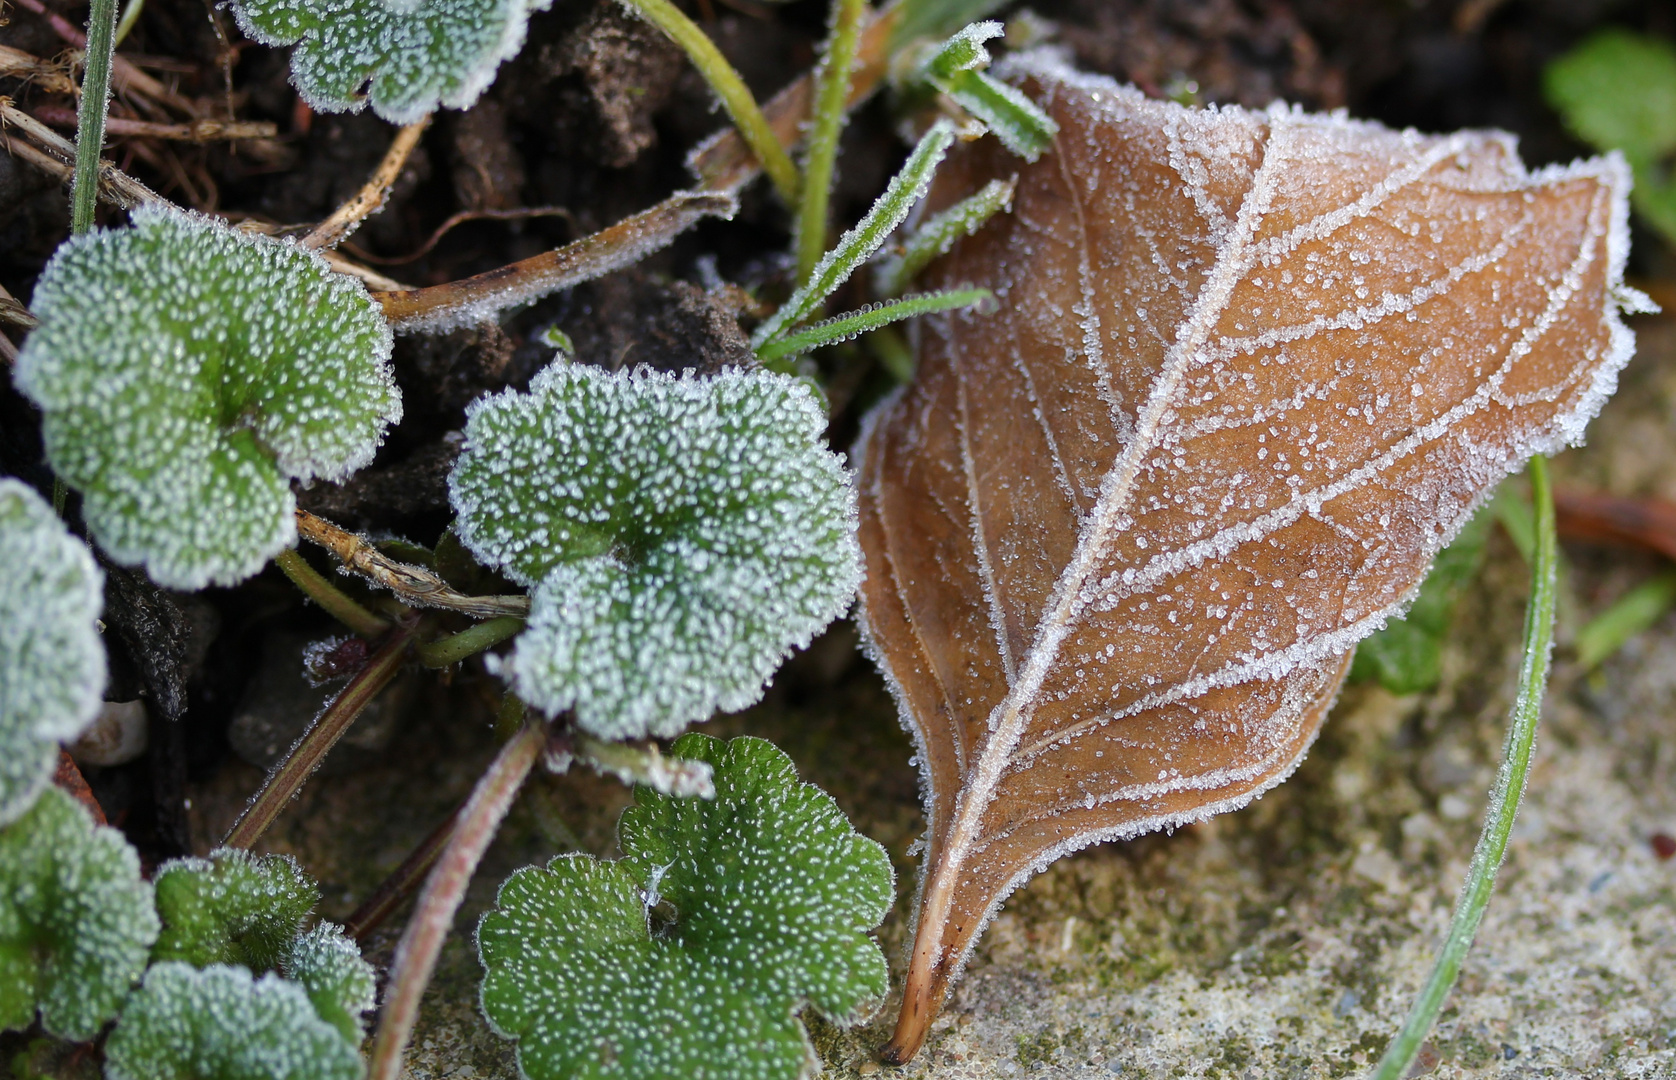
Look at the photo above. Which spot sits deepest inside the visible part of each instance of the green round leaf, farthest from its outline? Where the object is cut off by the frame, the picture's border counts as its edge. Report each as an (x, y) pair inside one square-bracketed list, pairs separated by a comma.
[(219, 1023), (76, 920), (408, 58), (232, 908), (52, 663), (185, 371), (683, 534), (692, 956), (329, 968)]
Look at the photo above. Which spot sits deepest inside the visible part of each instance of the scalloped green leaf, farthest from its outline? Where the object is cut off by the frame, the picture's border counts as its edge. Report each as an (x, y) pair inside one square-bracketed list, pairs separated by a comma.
[(683, 534), (52, 663), (76, 921), (693, 954), (185, 372), (329, 968), (232, 908), (221, 1023), (406, 58)]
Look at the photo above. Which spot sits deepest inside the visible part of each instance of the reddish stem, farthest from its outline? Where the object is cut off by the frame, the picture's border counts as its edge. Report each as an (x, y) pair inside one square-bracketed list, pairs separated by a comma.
[(400, 884)]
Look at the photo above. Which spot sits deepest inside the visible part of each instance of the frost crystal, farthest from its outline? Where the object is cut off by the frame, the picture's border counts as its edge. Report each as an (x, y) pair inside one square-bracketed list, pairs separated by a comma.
[(52, 664), (222, 1024), (232, 908), (682, 535), (772, 894), (185, 371), (409, 57), (76, 919), (329, 968)]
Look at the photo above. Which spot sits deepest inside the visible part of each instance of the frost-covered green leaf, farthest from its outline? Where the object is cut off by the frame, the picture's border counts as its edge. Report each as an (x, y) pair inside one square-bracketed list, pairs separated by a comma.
[(1617, 91), (1405, 656), (52, 663), (76, 920), (406, 57), (682, 534), (232, 908), (957, 69), (186, 371), (329, 968), (221, 1023), (692, 955)]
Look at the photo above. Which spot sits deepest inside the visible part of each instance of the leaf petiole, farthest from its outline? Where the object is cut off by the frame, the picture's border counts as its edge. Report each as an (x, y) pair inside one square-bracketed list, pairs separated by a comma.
[(469, 642), (1504, 797), (90, 116), (332, 599)]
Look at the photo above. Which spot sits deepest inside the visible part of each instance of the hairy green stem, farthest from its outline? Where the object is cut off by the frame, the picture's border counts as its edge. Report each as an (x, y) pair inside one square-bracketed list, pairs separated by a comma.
[(1504, 797), (90, 114), (469, 642), (832, 91), (288, 777), (736, 97), (336, 604), (433, 915)]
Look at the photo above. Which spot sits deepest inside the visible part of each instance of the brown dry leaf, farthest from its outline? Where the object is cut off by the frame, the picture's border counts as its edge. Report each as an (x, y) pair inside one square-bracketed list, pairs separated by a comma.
[(1251, 370)]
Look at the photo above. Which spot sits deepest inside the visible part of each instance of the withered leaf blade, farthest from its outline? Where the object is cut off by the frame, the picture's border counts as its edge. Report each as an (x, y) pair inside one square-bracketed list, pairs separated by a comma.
[(1250, 372)]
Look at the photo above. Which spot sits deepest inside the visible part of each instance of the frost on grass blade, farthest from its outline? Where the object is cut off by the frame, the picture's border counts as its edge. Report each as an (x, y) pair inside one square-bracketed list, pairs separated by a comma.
[(692, 955), (682, 535), (232, 908), (52, 664), (407, 58), (221, 1023), (185, 371), (76, 920), (957, 69)]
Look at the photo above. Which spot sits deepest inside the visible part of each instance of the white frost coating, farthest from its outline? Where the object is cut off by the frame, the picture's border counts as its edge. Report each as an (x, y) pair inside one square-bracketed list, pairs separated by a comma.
[(184, 371), (682, 536), (52, 663), (1367, 330), (406, 58), (340, 985), (219, 1022)]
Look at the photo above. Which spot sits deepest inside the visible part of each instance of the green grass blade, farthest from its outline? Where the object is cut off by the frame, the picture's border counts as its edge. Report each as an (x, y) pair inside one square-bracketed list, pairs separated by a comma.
[(1630, 614), (736, 97), (832, 89), (939, 234), (1016, 120), (1504, 797), (905, 189), (776, 354)]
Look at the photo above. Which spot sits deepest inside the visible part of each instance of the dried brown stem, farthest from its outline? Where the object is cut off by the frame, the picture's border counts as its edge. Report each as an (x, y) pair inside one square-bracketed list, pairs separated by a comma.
[(288, 778), (124, 75), (396, 888), (413, 584), (724, 163), (198, 131), (461, 218), (55, 155), (370, 199), (444, 889), (48, 76), (630, 240)]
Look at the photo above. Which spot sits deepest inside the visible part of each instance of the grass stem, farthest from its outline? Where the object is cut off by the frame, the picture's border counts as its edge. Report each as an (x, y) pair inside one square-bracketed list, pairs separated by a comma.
[(90, 114), (1504, 797), (832, 91), (736, 97)]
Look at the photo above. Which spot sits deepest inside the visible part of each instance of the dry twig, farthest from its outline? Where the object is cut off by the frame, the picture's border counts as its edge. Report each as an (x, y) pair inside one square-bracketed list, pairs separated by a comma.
[(198, 131), (413, 584), (370, 199)]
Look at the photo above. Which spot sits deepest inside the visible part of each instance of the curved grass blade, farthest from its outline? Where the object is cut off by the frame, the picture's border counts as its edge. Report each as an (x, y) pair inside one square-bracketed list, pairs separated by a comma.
[(844, 327)]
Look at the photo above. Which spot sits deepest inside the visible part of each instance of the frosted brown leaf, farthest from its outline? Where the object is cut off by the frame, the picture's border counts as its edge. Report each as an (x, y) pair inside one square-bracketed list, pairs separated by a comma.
[(1250, 371)]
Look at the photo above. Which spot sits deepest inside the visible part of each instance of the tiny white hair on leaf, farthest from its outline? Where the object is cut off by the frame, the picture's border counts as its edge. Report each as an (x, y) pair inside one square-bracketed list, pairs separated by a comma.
[(185, 372), (682, 535), (407, 58), (52, 663)]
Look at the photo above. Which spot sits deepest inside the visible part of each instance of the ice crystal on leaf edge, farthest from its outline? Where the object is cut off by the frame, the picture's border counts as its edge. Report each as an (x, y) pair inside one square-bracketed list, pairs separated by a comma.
[(52, 663), (772, 895), (184, 371)]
